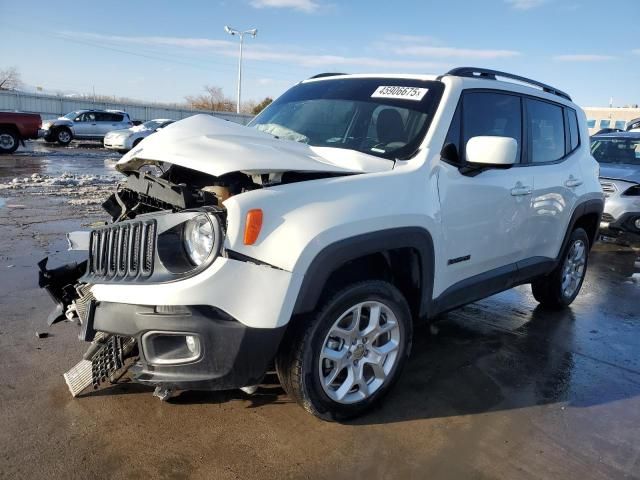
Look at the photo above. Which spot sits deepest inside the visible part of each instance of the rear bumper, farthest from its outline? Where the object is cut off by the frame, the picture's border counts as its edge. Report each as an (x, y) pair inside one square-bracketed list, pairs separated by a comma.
[(230, 354)]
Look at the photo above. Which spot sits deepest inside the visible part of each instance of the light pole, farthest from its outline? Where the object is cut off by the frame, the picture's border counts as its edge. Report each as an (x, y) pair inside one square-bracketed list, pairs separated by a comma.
[(232, 31)]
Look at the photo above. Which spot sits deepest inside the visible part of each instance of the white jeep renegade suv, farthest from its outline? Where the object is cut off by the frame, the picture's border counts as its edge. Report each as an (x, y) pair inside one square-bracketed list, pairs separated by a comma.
[(350, 208)]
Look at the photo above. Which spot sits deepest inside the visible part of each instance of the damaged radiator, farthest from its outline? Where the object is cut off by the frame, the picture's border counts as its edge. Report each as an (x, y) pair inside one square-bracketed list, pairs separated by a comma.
[(102, 361)]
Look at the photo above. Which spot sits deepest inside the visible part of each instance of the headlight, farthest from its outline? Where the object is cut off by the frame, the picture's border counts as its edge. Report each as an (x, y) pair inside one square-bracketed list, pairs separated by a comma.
[(199, 238)]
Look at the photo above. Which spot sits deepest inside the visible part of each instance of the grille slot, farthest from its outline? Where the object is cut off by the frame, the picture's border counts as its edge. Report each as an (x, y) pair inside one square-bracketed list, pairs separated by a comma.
[(123, 250), (607, 217), (608, 188)]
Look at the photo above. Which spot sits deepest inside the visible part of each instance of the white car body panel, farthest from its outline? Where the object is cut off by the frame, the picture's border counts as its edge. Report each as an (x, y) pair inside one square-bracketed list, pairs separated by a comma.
[(260, 304)]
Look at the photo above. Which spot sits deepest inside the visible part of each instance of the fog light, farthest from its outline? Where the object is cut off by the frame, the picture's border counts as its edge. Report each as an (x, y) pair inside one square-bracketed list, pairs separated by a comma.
[(637, 223), (191, 342), (170, 348)]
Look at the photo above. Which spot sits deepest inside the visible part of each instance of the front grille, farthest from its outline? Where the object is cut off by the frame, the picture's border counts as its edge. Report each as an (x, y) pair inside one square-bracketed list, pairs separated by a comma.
[(607, 217), (608, 188), (124, 250)]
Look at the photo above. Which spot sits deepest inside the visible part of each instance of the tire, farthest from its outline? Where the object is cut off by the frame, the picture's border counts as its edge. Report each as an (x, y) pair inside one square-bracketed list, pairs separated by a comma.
[(63, 136), (9, 140), (560, 288), (373, 358)]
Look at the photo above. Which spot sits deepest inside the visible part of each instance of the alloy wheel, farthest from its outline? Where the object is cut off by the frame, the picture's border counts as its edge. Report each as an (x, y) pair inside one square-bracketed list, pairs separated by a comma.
[(574, 268), (359, 352)]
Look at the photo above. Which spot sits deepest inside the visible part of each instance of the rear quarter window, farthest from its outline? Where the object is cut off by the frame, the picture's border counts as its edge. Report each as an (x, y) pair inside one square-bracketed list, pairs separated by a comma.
[(574, 131), (546, 124)]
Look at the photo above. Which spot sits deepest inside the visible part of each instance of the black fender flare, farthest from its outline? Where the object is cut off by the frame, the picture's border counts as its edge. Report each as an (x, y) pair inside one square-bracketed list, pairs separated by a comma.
[(595, 205), (337, 254)]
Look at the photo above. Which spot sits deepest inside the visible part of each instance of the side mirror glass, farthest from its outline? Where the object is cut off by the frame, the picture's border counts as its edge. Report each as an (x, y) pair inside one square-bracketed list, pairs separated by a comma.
[(492, 151)]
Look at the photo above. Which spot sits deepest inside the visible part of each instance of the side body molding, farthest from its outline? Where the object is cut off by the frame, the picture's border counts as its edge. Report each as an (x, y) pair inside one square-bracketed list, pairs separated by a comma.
[(337, 254)]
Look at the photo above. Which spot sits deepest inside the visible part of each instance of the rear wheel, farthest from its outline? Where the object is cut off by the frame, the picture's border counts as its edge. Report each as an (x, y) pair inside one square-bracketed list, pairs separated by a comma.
[(560, 288), (63, 136), (9, 141), (342, 361)]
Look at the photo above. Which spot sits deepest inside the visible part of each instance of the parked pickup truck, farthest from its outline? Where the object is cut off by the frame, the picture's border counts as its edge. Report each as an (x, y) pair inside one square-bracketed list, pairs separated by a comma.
[(16, 127)]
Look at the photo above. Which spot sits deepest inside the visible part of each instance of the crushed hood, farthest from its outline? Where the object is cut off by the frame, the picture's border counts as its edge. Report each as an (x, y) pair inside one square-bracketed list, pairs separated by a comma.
[(625, 172), (216, 147)]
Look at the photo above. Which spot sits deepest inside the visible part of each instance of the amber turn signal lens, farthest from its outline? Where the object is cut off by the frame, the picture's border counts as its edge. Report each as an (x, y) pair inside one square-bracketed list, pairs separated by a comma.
[(252, 226)]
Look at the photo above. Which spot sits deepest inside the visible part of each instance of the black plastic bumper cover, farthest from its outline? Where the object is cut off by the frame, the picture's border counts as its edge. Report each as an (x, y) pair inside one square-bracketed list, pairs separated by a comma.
[(626, 223), (233, 355), (60, 284)]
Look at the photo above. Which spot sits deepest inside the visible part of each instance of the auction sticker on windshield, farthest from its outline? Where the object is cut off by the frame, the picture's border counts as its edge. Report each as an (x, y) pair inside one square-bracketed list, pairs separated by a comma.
[(402, 93)]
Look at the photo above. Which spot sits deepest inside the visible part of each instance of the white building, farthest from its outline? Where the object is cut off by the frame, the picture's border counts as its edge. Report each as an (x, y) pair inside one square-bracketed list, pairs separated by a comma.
[(609, 117)]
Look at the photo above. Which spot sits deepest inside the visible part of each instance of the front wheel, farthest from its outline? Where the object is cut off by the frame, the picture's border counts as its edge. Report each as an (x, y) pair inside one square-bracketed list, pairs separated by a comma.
[(342, 361), (63, 136), (8, 141), (560, 288)]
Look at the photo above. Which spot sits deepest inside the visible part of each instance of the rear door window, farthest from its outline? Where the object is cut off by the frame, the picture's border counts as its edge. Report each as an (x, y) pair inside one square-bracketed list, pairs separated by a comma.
[(546, 125)]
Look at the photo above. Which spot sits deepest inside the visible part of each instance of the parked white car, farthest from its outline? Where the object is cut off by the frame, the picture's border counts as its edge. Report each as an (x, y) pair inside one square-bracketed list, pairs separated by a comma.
[(126, 139), (355, 206)]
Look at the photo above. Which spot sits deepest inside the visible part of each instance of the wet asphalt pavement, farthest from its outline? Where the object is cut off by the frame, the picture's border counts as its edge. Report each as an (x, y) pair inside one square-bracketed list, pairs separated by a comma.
[(498, 389)]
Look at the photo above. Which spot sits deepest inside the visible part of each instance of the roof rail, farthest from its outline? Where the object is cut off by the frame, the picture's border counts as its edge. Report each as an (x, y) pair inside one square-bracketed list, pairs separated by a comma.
[(474, 72), (328, 74)]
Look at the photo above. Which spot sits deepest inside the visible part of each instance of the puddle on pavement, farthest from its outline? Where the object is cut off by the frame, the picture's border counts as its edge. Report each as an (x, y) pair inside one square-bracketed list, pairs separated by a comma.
[(54, 161)]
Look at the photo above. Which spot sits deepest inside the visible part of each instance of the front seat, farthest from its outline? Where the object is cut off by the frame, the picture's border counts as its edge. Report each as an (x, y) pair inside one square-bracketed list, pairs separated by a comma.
[(390, 127)]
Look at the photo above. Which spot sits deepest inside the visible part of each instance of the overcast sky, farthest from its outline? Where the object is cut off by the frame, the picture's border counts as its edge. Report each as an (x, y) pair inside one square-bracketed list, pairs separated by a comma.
[(163, 51)]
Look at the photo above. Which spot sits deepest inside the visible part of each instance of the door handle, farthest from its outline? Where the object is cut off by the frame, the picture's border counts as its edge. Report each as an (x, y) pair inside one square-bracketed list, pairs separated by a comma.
[(521, 189), (573, 182)]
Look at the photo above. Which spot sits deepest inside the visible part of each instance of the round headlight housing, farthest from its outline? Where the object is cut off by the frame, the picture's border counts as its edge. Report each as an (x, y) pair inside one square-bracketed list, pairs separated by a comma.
[(199, 238)]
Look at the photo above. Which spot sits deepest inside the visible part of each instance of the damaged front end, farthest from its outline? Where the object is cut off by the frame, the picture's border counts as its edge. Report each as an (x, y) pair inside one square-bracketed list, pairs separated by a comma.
[(142, 243), (169, 195)]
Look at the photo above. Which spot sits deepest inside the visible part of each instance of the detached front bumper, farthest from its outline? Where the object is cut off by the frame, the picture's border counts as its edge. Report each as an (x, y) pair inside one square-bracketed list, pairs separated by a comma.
[(222, 353)]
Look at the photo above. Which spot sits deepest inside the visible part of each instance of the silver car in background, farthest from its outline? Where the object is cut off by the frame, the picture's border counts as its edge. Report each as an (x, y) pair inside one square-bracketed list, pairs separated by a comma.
[(125, 139), (85, 125), (619, 158)]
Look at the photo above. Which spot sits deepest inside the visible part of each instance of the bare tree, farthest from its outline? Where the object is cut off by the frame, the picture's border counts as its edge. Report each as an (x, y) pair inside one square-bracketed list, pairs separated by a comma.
[(262, 105), (213, 99), (10, 78)]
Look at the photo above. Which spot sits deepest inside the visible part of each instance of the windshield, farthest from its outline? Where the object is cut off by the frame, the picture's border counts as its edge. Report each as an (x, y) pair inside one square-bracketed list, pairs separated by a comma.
[(153, 124), (72, 115), (386, 117), (616, 150)]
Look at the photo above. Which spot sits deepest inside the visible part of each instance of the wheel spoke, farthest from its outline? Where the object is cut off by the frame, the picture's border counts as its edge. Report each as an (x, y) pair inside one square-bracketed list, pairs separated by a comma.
[(363, 388), (386, 348), (333, 374), (347, 385), (378, 371), (336, 356)]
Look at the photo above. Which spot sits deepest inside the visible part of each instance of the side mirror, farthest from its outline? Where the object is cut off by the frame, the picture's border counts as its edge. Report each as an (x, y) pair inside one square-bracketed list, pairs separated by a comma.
[(492, 151)]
